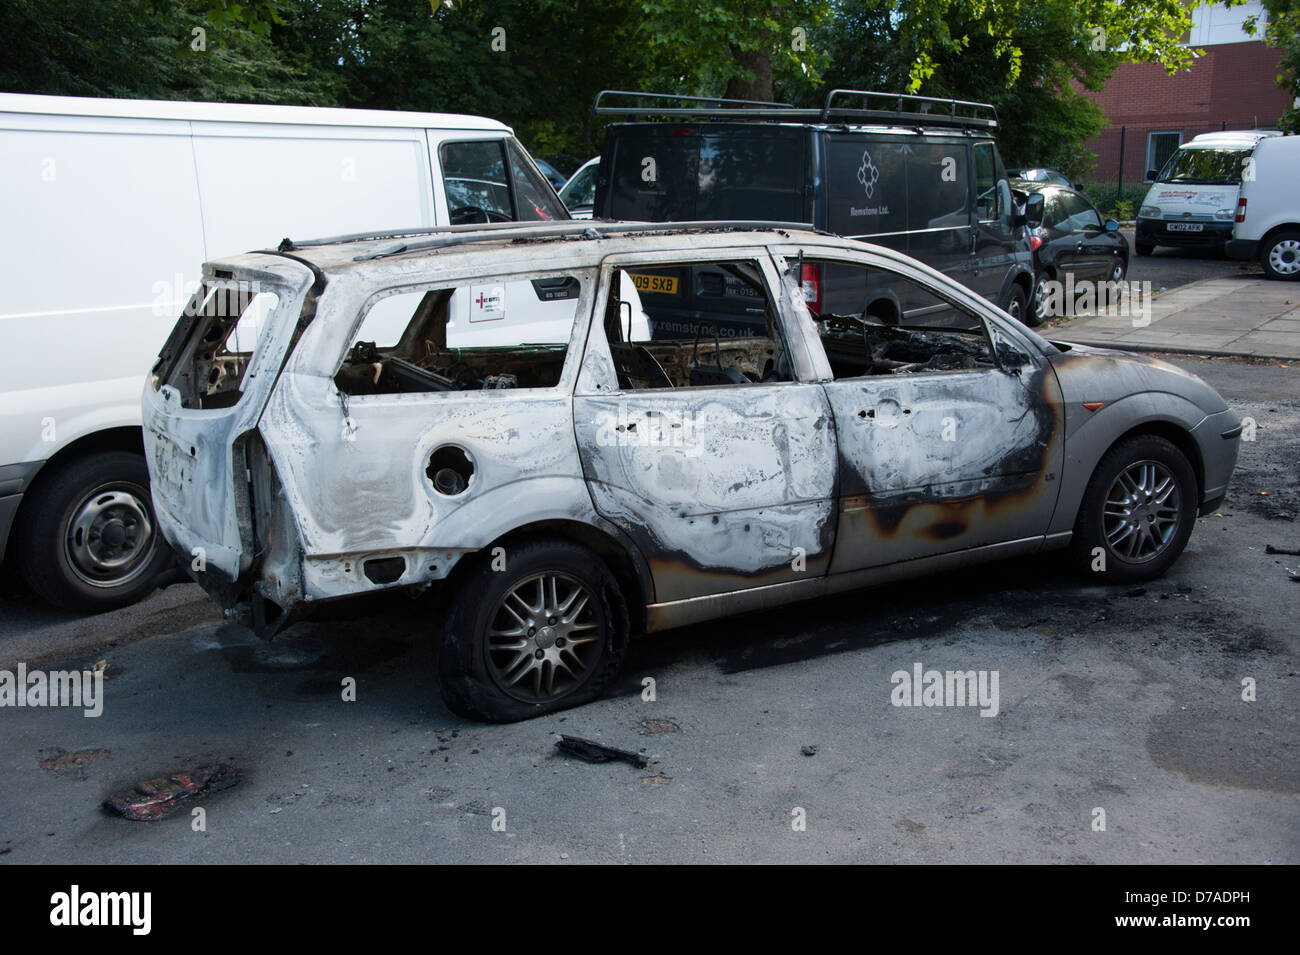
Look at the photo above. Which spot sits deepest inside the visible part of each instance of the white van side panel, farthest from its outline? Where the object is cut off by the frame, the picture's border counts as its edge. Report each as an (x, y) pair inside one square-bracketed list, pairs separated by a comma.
[(260, 184), (101, 221)]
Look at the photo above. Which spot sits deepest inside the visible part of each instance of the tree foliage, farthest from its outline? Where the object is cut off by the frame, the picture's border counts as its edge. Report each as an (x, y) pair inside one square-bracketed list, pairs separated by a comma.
[(537, 64)]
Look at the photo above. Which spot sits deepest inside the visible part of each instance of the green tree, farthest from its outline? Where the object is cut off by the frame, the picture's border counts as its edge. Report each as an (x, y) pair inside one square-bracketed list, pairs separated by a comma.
[(152, 49), (739, 48)]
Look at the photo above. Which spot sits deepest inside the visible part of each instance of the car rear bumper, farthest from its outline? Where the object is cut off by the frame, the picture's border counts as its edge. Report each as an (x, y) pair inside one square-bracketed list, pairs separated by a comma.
[(1157, 232)]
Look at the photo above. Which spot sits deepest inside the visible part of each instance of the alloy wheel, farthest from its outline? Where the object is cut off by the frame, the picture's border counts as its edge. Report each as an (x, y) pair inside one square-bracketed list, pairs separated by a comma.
[(545, 638), (1141, 513)]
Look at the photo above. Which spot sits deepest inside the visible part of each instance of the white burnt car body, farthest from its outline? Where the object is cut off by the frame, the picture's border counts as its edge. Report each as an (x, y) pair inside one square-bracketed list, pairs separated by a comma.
[(578, 433)]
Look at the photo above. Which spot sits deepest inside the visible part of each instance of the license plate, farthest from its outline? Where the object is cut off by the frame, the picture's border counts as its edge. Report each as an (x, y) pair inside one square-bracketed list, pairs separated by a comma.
[(1185, 226), (659, 284)]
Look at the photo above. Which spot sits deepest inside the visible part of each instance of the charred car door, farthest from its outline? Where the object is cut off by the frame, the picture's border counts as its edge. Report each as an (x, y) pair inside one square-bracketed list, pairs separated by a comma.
[(700, 441), (949, 428)]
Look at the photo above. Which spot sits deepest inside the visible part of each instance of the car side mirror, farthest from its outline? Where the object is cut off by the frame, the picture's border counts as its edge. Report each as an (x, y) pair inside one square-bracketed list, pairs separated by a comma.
[(1112, 225), (1151, 175), (1034, 210)]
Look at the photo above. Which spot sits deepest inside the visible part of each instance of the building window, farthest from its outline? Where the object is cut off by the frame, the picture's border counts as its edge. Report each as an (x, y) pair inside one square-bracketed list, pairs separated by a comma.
[(1160, 146)]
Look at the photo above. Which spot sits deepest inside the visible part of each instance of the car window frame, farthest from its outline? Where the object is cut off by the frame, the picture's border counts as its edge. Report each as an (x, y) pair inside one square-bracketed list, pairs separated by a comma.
[(597, 342)]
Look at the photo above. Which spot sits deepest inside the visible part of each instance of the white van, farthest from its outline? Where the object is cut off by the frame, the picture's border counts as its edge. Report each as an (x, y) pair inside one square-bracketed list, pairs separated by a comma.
[(109, 207), (1192, 199), (1267, 224)]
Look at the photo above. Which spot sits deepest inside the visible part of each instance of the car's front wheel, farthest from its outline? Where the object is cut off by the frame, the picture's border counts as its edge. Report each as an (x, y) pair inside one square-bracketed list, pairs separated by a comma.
[(1138, 511), (540, 629), (1280, 256), (1144, 248)]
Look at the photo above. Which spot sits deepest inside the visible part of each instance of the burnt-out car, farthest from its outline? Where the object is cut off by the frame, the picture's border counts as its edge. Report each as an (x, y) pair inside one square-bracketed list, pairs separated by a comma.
[(517, 416)]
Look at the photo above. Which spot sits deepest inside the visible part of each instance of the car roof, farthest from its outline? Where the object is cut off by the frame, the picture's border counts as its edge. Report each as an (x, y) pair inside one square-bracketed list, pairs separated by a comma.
[(562, 244), (239, 113), (1240, 138)]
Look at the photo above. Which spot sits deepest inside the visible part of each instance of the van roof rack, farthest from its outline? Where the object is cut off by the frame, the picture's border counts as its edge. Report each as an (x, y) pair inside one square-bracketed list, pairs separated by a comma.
[(710, 107), (912, 109), (874, 106)]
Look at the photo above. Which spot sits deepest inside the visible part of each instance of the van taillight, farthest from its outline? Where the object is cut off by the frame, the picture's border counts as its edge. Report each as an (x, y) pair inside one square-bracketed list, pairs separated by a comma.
[(1241, 210), (810, 278)]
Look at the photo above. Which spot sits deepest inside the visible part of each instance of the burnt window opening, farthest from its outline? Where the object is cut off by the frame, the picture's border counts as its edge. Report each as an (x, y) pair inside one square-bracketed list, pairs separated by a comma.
[(211, 366), (693, 324), (875, 322), (484, 335)]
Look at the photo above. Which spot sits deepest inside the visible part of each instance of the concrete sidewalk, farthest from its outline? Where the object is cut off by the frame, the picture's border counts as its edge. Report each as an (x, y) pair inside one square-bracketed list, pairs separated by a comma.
[(1237, 315)]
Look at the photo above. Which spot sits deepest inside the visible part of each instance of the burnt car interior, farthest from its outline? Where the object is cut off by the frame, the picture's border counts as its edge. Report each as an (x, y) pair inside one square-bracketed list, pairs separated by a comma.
[(440, 349), (693, 325), (874, 322)]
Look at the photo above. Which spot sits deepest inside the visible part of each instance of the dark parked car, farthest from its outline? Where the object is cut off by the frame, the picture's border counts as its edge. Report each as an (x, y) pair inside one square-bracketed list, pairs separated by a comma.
[(1072, 244), (918, 175)]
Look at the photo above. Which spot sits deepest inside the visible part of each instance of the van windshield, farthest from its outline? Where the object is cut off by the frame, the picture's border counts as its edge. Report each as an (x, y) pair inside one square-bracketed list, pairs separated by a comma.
[(1208, 167)]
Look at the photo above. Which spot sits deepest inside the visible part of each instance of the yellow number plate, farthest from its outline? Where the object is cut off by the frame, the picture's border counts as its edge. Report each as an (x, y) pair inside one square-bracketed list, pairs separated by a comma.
[(662, 284)]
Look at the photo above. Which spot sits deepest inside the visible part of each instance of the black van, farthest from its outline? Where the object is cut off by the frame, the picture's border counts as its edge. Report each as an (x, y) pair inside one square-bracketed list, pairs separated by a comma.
[(923, 177)]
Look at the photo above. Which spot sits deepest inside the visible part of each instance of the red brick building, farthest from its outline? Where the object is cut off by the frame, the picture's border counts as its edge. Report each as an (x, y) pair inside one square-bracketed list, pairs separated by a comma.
[(1232, 85)]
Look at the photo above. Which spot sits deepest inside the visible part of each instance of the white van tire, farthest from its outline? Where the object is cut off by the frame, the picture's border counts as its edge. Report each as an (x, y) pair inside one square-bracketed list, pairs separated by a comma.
[(1279, 254), (88, 536)]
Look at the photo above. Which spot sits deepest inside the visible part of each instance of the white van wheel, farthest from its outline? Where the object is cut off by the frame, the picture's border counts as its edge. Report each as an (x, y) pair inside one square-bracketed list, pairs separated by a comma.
[(89, 537), (1280, 256)]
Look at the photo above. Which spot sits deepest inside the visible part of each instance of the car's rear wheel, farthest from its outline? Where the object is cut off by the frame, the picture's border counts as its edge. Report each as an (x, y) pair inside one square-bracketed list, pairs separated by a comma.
[(88, 535), (1037, 312), (546, 633), (1138, 511), (1017, 306), (1280, 256)]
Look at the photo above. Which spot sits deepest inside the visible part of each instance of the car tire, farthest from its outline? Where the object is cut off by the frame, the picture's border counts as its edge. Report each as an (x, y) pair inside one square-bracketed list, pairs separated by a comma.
[(1126, 530), (1280, 256), (1118, 269), (1017, 306), (1144, 248), (1034, 313), (487, 672), (88, 536)]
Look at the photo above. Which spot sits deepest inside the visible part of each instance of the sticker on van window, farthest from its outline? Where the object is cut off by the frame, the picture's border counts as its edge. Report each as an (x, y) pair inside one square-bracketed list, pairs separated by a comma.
[(487, 303)]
